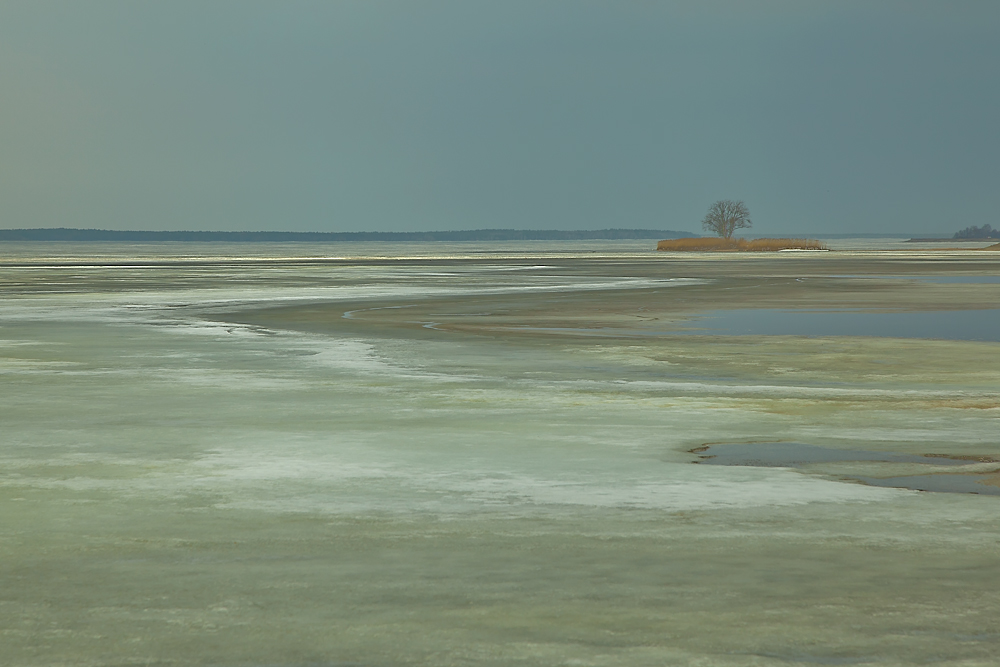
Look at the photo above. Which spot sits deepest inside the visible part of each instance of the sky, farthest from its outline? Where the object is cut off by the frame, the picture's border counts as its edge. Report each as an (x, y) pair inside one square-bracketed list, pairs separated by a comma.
[(417, 115)]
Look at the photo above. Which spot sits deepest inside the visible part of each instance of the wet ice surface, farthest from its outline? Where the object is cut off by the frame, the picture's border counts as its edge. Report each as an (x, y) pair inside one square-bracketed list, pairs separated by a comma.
[(980, 324), (963, 280), (182, 484)]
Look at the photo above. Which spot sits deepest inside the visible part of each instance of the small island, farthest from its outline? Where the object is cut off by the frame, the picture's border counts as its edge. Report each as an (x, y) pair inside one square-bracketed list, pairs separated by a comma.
[(724, 217)]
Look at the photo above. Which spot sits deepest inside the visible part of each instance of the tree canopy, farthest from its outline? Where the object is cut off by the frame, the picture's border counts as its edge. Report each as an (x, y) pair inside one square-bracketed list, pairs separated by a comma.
[(726, 216), (984, 232)]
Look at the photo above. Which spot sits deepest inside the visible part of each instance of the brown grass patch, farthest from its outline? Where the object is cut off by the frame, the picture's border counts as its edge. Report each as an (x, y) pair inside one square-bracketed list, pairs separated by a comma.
[(995, 246), (739, 245)]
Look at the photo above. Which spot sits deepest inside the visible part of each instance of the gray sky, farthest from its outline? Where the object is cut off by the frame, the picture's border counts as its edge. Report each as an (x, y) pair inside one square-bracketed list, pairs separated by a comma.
[(832, 116)]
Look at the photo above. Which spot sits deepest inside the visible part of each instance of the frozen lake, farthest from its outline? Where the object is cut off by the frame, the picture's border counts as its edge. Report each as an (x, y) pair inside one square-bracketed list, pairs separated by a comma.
[(387, 455)]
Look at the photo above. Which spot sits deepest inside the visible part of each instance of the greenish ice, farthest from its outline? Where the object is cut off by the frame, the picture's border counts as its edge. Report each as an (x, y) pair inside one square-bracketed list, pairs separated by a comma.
[(451, 454)]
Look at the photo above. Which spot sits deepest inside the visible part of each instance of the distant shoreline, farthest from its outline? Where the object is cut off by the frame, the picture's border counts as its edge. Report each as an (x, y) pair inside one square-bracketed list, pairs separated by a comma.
[(89, 235), (991, 239)]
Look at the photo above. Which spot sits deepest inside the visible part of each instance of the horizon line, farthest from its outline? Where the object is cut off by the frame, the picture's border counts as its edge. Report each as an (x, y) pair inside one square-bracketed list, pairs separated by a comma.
[(77, 234), (484, 234)]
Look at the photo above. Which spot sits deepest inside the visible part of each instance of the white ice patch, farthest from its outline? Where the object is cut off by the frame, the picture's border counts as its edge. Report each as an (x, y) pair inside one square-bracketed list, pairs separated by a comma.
[(229, 465), (229, 380), (349, 355), (315, 483), (358, 356), (31, 366), (198, 327), (13, 343)]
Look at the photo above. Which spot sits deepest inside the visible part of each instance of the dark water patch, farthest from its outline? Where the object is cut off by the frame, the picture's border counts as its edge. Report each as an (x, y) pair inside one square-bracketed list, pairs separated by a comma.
[(983, 325), (941, 483), (973, 325), (799, 455)]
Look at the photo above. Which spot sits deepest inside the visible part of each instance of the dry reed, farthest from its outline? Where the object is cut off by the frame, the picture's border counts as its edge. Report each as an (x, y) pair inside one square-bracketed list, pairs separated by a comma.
[(740, 245)]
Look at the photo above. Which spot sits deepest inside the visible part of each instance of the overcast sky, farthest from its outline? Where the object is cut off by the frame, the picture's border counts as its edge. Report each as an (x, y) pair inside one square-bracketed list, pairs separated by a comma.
[(332, 115)]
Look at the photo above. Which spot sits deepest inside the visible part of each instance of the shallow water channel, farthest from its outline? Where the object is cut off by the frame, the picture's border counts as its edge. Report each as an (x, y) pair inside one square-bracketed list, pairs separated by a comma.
[(942, 324)]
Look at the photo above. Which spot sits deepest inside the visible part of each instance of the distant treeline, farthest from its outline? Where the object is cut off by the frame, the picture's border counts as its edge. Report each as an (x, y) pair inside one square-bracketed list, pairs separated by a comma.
[(64, 234), (984, 232)]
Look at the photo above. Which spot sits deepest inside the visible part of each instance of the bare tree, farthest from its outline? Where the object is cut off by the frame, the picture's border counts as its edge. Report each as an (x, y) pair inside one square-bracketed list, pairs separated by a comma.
[(725, 217)]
